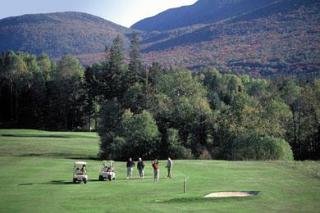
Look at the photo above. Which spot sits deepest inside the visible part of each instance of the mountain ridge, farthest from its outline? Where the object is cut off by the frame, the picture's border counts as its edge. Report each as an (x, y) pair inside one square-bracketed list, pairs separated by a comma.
[(203, 11), (58, 33), (282, 36)]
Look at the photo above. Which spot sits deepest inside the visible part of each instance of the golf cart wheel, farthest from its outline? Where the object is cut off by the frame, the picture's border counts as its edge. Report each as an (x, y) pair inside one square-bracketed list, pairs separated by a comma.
[(101, 178), (85, 181), (74, 180), (109, 177)]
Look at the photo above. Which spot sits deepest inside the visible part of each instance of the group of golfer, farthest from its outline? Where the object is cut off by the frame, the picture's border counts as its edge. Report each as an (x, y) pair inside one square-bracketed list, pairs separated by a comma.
[(155, 166)]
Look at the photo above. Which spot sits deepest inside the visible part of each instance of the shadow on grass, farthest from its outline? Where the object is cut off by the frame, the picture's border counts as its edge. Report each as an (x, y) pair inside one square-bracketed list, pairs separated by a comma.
[(45, 136), (55, 182), (84, 158), (25, 184), (213, 199), (96, 180), (35, 136), (60, 182), (64, 182), (134, 179), (60, 155), (118, 180)]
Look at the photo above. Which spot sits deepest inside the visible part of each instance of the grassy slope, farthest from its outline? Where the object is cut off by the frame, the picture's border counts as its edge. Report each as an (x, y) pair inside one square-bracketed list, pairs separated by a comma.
[(36, 171)]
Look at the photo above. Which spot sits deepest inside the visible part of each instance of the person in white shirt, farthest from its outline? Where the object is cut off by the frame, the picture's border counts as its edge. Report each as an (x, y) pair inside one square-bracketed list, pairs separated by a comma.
[(169, 167)]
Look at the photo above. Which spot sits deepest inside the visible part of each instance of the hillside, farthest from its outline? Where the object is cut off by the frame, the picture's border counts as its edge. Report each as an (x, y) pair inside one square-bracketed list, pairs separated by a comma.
[(58, 34), (202, 12), (279, 37), (259, 37)]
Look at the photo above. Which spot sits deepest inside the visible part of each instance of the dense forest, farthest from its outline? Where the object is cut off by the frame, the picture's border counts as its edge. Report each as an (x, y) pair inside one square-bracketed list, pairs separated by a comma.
[(151, 111)]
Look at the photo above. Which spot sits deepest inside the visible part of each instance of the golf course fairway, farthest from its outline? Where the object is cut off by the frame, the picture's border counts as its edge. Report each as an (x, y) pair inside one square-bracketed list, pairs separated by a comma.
[(36, 176)]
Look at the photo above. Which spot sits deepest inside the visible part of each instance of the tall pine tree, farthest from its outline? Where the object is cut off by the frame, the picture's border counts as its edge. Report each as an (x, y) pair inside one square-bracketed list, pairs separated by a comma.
[(114, 75), (135, 65)]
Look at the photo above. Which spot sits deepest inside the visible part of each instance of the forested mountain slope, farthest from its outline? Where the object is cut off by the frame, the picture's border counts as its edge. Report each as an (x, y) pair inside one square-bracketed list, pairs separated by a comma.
[(58, 34), (202, 12), (257, 37), (279, 37)]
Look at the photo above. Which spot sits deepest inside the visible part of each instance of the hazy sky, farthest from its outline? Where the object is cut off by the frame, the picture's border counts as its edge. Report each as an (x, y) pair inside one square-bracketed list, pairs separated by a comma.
[(124, 12)]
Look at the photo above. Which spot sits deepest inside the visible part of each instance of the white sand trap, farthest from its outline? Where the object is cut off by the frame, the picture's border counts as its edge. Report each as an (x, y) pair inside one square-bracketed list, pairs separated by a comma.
[(229, 194)]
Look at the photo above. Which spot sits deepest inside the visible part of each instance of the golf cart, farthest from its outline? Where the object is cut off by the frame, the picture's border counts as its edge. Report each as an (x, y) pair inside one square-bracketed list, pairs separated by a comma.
[(80, 172), (107, 172)]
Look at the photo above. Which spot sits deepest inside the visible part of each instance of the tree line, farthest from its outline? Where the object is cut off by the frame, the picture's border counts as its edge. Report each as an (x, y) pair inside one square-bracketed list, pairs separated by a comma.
[(153, 111)]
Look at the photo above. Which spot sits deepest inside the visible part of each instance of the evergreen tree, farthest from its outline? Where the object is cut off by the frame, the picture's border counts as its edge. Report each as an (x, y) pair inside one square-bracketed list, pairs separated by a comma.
[(114, 77), (135, 69)]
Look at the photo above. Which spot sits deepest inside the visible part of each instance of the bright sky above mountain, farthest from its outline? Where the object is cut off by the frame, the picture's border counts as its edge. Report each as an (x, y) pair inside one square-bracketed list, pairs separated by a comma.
[(123, 12)]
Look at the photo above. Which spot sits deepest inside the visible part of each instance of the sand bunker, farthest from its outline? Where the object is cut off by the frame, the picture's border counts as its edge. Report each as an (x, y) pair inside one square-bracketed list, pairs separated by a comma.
[(229, 194)]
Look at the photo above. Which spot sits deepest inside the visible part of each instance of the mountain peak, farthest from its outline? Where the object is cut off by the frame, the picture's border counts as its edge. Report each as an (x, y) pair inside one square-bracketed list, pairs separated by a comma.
[(56, 16)]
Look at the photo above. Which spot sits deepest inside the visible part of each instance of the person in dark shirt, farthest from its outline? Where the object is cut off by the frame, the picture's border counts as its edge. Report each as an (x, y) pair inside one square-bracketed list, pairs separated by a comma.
[(130, 165), (140, 167)]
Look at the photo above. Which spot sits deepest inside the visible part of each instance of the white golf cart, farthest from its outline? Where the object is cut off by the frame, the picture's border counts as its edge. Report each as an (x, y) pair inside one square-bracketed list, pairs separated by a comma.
[(107, 172), (80, 172)]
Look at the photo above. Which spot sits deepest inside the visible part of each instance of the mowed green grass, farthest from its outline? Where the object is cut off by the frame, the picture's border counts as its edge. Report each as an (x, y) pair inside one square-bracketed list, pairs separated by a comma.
[(36, 174)]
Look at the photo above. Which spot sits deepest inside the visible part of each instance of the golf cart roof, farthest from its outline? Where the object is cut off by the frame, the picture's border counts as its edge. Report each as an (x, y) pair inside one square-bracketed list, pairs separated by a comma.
[(80, 163)]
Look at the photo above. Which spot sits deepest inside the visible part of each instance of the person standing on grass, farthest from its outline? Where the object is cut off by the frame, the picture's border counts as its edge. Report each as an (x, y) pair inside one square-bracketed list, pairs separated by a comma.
[(169, 167), (140, 167), (130, 165), (156, 170), (83, 170)]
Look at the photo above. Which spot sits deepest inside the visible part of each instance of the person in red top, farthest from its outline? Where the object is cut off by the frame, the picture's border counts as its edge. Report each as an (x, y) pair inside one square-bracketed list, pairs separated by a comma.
[(156, 170)]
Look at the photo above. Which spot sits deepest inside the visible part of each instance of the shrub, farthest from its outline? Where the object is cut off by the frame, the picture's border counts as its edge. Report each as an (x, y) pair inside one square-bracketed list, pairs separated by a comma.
[(205, 154), (180, 152), (256, 147), (118, 148)]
